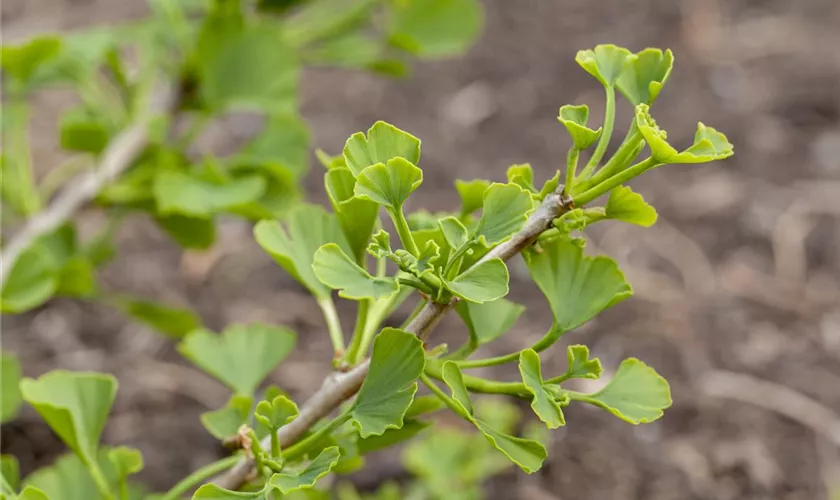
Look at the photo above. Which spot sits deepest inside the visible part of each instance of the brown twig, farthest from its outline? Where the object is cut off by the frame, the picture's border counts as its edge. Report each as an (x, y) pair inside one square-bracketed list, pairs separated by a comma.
[(339, 387)]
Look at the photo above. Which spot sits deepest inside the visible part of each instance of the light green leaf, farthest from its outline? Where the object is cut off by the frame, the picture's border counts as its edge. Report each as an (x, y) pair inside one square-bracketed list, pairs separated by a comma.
[(10, 376), (435, 28), (472, 194), (543, 403), (21, 61), (389, 185), (505, 209), (241, 356), (82, 131), (380, 245), (287, 482), (384, 142), (420, 265), (276, 413), (625, 205), (32, 493), (126, 461), (174, 322), (336, 270), (307, 228), (423, 405), (283, 141), (31, 282), (709, 144), (281, 190), (179, 193), (522, 175), (77, 278), (606, 62), (636, 393), (483, 282), (189, 232), (576, 286), (488, 321), (10, 470), (74, 405), (356, 216), (550, 186), (644, 77), (574, 118), (526, 453), (68, 479), (580, 365), (410, 428), (386, 394), (453, 231), (225, 422)]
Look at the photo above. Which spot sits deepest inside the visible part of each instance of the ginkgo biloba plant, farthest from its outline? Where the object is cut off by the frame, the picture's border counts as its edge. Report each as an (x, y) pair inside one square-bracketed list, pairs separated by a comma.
[(452, 261)]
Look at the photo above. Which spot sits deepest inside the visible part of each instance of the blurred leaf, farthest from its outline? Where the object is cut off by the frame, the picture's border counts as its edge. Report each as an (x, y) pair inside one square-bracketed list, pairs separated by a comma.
[(74, 405), (180, 193), (580, 365), (543, 402), (576, 286), (173, 322), (9, 467), (32, 493), (483, 282), (31, 282), (241, 356), (389, 185), (68, 479), (505, 209), (126, 461), (356, 216), (472, 194), (386, 394), (383, 142), (77, 278), (11, 398), (276, 413), (284, 140), (574, 118), (390, 437), (226, 421), (287, 482), (21, 61), (488, 321), (636, 393), (627, 206), (81, 131), (196, 233), (709, 144), (338, 271), (644, 78), (308, 228), (326, 20), (354, 50), (435, 28), (606, 62)]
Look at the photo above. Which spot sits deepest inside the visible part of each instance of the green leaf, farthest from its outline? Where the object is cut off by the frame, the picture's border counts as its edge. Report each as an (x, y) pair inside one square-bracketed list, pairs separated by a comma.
[(77, 278), (383, 142), (21, 61), (32, 493), (410, 428), (68, 479), (453, 231), (483, 282), (241, 356), (420, 265), (127, 461), (636, 393), (380, 245), (81, 131), (336, 270), (189, 232), (543, 402), (356, 216), (606, 62), (173, 322), (386, 394), (526, 453), (522, 175), (276, 413), (281, 190), (574, 118), (644, 77), (226, 421), (625, 205), (488, 321), (389, 185), (576, 286), (709, 144), (180, 193), (435, 28), (423, 405), (10, 470), (283, 142), (472, 194), (550, 186), (505, 209), (287, 482), (580, 365), (74, 405), (11, 398), (31, 282)]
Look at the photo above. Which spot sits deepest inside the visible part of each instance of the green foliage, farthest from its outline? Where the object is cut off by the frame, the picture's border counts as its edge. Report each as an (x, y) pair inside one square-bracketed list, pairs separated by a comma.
[(435, 27), (605, 62), (226, 421), (505, 208), (383, 142), (488, 321), (574, 118), (10, 376), (338, 271), (709, 144), (627, 206), (388, 184), (485, 282), (69, 479), (543, 402), (643, 79), (173, 322)]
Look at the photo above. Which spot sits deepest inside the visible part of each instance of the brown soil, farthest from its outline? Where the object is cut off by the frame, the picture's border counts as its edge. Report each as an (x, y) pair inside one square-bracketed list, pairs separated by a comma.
[(741, 273)]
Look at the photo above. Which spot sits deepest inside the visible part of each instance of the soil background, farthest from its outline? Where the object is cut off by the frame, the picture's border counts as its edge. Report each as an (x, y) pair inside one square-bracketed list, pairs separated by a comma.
[(737, 285)]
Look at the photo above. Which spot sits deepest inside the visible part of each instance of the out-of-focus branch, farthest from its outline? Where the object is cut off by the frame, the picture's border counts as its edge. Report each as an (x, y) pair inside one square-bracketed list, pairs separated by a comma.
[(339, 387), (116, 159)]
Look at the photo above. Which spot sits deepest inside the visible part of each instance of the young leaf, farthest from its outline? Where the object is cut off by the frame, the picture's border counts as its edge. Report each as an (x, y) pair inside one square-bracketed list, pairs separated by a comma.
[(627, 206), (505, 209), (31, 282), (74, 405), (190, 232), (127, 461), (709, 144), (574, 118), (383, 143), (170, 321), (522, 175), (606, 62), (472, 194), (380, 245), (388, 184), (287, 482), (180, 193), (308, 227), (644, 77), (241, 356), (527, 454), (576, 286), (356, 216), (82, 131), (454, 232), (580, 365), (336, 270), (435, 28), (543, 403), (488, 321), (10, 472), (68, 479), (226, 421), (32, 493), (10, 375), (276, 413), (636, 393), (484, 282), (21, 61), (386, 394)]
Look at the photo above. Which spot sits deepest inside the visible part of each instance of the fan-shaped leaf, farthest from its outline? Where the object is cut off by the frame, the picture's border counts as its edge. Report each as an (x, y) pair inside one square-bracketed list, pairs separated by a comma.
[(644, 77), (336, 270), (383, 142), (356, 216), (435, 28), (226, 421), (388, 184), (605, 62), (180, 193), (709, 144), (276, 413), (453, 231), (580, 365), (543, 402), (627, 206), (472, 194), (574, 118), (636, 393), (483, 282), (287, 482), (505, 209)]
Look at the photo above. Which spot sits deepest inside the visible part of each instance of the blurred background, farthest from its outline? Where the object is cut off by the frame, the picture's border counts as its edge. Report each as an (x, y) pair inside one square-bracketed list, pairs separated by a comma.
[(737, 286)]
